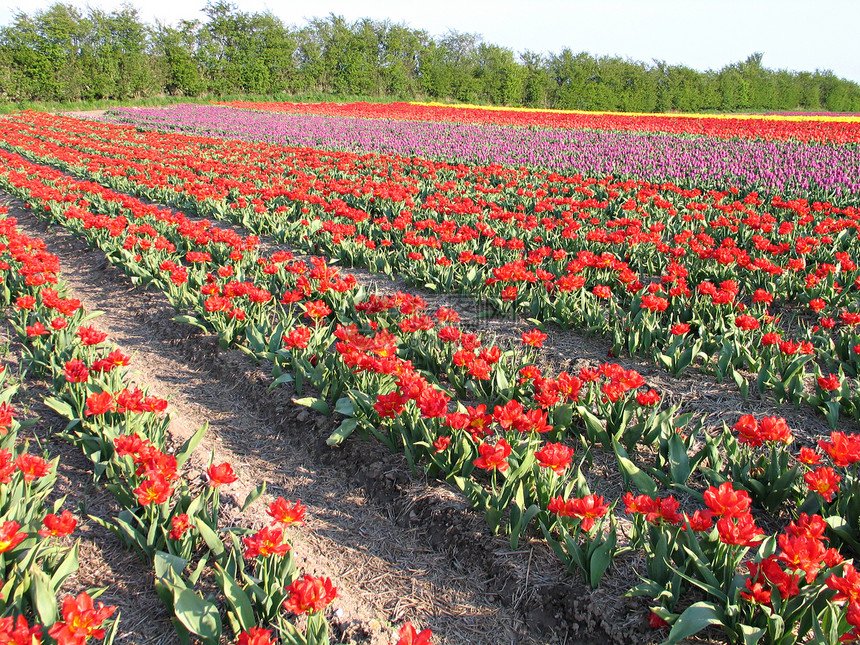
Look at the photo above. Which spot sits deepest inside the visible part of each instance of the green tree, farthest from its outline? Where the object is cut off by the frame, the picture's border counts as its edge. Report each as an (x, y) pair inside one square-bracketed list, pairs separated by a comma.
[(734, 89), (834, 94), (435, 75), (222, 42), (787, 90), (114, 57), (338, 57), (399, 59), (684, 87), (537, 83), (175, 48), (810, 94), (460, 57), (45, 51), (499, 75), (575, 78)]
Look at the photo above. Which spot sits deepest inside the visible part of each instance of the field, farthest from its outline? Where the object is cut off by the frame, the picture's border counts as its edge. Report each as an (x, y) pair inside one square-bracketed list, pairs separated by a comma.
[(409, 373)]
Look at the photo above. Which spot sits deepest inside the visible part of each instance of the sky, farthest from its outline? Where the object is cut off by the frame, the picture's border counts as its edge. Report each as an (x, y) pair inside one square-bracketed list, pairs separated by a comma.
[(702, 34)]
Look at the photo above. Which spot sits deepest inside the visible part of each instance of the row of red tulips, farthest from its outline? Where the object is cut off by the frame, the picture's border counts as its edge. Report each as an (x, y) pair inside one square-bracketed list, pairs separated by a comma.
[(36, 557)]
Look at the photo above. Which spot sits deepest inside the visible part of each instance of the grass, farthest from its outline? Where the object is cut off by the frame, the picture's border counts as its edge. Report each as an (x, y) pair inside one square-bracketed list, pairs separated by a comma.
[(164, 99)]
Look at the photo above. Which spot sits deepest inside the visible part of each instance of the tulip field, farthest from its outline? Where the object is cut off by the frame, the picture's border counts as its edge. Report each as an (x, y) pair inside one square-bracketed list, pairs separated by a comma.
[(361, 254)]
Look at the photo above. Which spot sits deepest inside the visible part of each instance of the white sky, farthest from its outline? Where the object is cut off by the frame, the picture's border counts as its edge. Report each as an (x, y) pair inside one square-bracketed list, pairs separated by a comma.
[(703, 34)]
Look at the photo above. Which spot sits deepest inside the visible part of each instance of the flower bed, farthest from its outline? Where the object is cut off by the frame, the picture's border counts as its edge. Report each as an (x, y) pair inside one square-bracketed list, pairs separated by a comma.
[(832, 129), (773, 167)]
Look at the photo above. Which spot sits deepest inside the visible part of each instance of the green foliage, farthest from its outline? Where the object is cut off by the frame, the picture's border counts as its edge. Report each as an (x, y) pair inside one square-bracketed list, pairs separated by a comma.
[(60, 54)]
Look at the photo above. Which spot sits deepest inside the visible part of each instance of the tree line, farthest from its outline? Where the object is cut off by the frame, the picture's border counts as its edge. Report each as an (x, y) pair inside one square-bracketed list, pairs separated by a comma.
[(62, 54)]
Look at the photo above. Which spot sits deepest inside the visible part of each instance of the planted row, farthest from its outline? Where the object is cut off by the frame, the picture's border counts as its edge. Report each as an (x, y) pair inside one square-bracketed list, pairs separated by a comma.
[(36, 557)]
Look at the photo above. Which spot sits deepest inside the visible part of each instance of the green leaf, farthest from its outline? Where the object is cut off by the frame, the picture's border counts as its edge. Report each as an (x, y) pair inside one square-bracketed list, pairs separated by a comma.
[(523, 521), (751, 635), (555, 545), (283, 378), (693, 620), (198, 616), (493, 517), (843, 529), (600, 560), (832, 413), (562, 415), (254, 495), (594, 428), (344, 406), (189, 446), (44, 596), (123, 529), (165, 562), (502, 382), (315, 404), (211, 538), (705, 579), (679, 463), (762, 379), (635, 474), (111, 634), (198, 571), (67, 567), (342, 432), (255, 338), (60, 407), (238, 599), (191, 320)]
